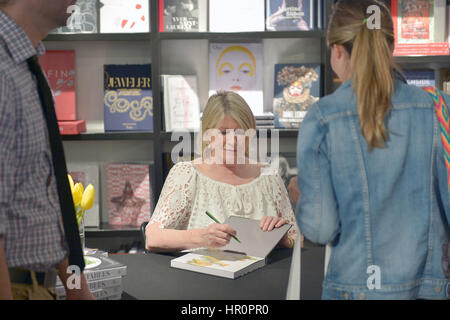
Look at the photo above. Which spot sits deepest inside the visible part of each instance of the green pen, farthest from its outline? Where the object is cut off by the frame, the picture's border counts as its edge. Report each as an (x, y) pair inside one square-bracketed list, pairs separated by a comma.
[(217, 221)]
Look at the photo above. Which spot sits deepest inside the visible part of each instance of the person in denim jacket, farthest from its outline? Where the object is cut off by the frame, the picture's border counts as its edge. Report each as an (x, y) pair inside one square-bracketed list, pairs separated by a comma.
[(371, 170)]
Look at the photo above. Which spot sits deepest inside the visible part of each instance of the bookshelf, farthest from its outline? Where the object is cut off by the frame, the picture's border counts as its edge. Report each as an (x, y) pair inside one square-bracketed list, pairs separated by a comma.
[(179, 53)]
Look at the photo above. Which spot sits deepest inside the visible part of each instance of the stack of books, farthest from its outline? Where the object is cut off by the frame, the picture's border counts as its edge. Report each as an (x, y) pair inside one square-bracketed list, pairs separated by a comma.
[(103, 275), (265, 121)]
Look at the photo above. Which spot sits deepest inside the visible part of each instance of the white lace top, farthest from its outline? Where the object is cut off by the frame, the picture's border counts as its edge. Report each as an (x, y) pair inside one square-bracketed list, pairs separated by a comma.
[(188, 193)]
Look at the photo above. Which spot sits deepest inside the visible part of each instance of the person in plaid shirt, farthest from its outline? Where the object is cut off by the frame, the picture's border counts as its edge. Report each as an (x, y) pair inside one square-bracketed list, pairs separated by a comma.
[(31, 229)]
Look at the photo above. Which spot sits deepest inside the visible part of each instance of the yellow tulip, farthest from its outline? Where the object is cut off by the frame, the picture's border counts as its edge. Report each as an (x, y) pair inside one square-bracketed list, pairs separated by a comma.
[(71, 182), (88, 197), (77, 193)]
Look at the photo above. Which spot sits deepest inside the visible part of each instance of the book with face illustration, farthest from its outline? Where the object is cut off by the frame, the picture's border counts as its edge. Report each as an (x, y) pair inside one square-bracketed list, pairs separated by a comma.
[(238, 67), (236, 258), (296, 88)]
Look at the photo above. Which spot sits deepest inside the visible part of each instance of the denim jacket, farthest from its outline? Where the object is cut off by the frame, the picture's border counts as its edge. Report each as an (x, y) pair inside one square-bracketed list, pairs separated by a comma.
[(386, 212)]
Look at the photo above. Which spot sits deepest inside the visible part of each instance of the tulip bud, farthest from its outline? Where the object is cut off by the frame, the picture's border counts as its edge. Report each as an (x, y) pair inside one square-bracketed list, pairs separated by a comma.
[(77, 193), (88, 197), (71, 182)]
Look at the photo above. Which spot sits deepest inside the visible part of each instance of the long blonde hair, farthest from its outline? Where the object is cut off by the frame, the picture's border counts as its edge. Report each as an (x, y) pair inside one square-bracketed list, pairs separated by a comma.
[(372, 63)]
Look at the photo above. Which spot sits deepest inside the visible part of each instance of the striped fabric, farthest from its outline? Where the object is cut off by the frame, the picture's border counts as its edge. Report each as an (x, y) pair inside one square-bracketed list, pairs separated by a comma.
[(442, 113)]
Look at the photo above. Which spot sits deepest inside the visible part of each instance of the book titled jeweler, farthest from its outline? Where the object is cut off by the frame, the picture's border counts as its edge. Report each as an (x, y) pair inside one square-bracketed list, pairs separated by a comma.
[(237, 258), (128, 99)]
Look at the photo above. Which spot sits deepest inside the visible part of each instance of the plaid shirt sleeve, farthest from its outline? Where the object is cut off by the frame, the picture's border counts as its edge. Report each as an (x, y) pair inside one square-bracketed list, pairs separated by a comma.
[(7, 123)]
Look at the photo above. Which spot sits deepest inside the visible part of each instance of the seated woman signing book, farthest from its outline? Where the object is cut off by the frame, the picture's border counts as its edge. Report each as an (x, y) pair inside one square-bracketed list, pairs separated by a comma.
[(224, 182)]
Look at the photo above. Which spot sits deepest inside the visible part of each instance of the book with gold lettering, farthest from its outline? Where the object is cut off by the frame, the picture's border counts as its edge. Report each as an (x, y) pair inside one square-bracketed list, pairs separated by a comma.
[(128, 100)]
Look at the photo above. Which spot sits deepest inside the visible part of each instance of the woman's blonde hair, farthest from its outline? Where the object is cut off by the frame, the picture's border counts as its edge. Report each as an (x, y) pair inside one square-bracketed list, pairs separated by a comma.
[(225, 103), (372, 63)]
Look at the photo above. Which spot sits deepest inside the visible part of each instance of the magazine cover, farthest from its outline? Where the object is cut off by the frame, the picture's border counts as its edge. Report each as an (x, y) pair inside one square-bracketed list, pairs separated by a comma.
[(297, 86), (238, 67), (129, 194), (82, 20), (286, 15), (119, 16)]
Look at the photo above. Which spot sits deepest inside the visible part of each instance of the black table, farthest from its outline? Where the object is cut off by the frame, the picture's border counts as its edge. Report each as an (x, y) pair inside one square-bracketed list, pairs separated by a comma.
[(150, 277)]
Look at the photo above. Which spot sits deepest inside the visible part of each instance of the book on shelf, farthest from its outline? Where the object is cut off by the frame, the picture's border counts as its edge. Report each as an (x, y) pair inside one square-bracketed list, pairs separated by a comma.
[(448, 21), (446, 80), (265, 116), (288, 15), (100, 267), (181, 104), (237, 258), (320, 14), (72, 127), (82, 20), (238, 67), (88, 173), (420, 78), (296, 88), (420, 27), (183, 15), (128, 98), (129, 193), (119, 16), (236, 15), (59, 68)]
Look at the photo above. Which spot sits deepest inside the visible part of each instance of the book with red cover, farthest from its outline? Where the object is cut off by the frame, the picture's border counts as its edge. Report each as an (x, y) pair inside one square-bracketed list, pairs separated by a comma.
[(128, 193), (59, 67), (72, 127), (419, 27)]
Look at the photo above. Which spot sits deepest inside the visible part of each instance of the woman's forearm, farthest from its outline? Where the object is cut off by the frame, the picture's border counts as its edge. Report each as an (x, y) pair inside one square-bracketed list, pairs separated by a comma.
[(158, 240)]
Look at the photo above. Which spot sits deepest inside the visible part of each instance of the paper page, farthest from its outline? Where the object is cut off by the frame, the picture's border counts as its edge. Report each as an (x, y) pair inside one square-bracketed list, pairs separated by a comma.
[(254, 241)]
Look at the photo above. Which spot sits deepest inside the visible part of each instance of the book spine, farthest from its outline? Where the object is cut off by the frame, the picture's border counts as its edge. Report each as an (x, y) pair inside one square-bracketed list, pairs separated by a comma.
[(440, 13), (100, 275), (101, 294), (202, 15), (161, 15), (430, 49), (394, 13)]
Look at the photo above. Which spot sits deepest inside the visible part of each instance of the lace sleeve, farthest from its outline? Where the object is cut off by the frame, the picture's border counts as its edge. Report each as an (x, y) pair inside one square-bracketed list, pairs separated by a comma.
[(174, 205), (283, 204)]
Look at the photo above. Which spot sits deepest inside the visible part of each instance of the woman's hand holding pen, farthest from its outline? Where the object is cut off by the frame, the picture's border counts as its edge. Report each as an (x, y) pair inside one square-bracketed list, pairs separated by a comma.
[(217, 235)]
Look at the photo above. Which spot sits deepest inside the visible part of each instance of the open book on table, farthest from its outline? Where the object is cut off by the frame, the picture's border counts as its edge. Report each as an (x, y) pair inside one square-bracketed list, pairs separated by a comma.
[(234, 259)]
